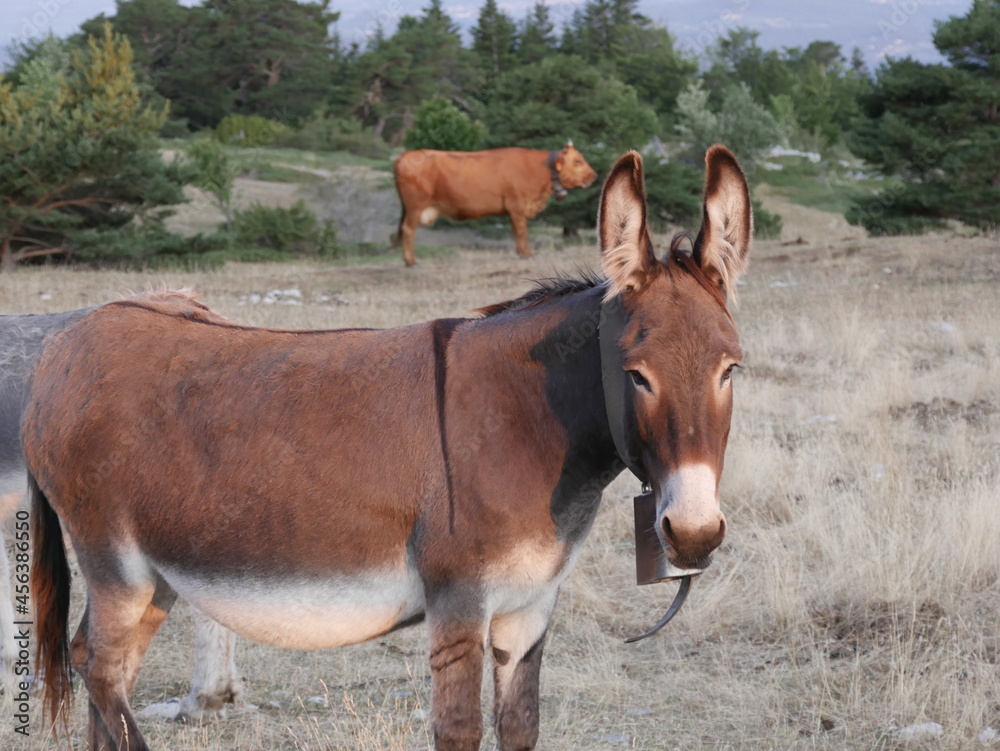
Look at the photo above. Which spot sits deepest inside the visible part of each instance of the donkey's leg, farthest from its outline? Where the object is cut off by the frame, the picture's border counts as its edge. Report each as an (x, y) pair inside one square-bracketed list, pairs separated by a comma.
[(156, 612), (215, 682), (119, 626), (517, 640), (457, 648)]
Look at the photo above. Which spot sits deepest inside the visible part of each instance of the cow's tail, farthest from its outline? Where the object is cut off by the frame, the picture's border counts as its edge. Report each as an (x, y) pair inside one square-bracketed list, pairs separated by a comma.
[(398, 237), (50, 580)]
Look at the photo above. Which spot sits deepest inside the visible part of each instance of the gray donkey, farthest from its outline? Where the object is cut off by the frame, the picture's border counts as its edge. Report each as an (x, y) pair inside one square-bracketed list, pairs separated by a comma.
[(215, 682)]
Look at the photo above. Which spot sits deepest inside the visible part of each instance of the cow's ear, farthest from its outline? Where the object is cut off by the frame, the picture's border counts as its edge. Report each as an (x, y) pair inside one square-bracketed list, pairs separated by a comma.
[(727, 220), (627, 256)]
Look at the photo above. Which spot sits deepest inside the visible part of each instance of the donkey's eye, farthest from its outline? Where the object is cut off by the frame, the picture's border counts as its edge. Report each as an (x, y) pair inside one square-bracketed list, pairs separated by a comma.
[(728, 373), (639, 380)]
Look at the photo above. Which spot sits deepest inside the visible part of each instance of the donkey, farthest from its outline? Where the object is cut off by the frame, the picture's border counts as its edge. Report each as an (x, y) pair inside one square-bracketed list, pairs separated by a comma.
[(318, 488), (215, 681)]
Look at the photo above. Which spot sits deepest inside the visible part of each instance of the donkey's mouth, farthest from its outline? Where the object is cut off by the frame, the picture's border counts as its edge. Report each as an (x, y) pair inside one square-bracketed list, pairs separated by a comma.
[(670, 572)]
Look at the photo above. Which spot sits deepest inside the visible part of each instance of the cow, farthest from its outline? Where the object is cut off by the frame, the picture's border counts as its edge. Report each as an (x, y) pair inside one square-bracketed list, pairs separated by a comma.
[(472, 184)]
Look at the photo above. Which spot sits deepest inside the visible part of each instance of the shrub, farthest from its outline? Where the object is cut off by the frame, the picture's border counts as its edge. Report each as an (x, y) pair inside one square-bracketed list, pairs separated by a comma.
[(439, 124), (766, 226), (292, 231), (334, 134), (248, 130), (885, 214)]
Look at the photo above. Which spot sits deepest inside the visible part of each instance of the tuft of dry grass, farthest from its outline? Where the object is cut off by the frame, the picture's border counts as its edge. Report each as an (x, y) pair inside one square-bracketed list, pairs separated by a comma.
[(856, 593)]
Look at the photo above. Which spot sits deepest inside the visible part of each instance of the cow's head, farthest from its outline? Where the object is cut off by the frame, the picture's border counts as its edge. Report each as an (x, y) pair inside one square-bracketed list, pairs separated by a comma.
[(572, 168)]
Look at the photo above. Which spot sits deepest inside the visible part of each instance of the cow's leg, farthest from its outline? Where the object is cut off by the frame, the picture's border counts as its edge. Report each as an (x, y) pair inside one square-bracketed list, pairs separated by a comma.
[(121, 620), (520, 225), (517, 640), (9, 504), (407, 229), (457, 647), (215, 682)]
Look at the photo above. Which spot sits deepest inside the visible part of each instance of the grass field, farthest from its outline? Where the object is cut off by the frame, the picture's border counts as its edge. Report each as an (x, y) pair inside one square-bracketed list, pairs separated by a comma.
[(857, 592)]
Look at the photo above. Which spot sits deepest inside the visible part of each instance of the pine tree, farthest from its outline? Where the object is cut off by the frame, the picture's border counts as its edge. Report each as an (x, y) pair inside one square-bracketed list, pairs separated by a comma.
[(537, 38), (494, 41), (936, 128), (80, 155)]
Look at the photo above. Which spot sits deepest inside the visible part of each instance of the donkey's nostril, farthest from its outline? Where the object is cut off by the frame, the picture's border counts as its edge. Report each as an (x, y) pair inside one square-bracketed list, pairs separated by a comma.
[(667, 532)]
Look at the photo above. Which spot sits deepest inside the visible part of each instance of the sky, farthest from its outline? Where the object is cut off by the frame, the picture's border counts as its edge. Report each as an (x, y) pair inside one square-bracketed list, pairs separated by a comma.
[(877, 27)]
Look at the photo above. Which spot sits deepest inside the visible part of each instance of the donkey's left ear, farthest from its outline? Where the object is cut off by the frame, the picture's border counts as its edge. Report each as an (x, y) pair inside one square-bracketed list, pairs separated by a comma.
[(727, 222), (627, 256)]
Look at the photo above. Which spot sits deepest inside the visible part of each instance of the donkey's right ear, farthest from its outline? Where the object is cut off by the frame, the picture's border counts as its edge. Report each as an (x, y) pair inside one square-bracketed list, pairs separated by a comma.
[(627, 256)]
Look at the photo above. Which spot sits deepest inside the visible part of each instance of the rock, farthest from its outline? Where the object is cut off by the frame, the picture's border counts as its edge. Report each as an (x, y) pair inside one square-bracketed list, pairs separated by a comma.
[(164, 710), (920, 732), (619, 739), (989, 736)]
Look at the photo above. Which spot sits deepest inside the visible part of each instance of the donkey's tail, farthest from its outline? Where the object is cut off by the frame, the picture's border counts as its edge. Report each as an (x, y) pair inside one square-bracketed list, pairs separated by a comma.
[(50, 580)]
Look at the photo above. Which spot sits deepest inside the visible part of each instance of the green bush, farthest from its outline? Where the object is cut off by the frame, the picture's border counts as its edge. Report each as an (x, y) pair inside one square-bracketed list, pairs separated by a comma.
[(334, 134), (248, 130), (291, 231), (439, 124), (885, 214), (766, 226)]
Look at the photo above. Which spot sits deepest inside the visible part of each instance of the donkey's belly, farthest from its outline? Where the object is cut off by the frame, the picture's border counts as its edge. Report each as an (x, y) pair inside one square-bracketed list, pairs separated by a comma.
[(306, 614)]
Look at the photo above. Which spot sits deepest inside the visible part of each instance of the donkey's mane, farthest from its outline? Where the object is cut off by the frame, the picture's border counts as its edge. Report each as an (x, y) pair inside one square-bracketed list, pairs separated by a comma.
[(548, 288)]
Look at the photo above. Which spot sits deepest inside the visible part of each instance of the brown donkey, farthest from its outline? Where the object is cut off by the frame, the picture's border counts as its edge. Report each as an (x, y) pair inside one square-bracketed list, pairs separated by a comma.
[(313, 489)]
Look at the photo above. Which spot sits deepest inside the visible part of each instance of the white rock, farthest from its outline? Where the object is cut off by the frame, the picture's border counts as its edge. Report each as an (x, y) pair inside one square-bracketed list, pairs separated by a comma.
[(165, 710), (943, 326), (620, 739), (922, 731), (988, 736), (318, 700), (45, 296)]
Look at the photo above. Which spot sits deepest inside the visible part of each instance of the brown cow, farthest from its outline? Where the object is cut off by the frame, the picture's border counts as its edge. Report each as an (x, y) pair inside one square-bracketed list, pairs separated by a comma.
[(473, 184)]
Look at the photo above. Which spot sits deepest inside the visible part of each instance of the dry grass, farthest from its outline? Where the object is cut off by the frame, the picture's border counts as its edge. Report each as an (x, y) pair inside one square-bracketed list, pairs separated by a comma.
[(857, 592)]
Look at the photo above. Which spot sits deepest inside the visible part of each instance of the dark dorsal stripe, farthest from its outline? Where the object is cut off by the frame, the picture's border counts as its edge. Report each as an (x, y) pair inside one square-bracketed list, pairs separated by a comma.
[(441, 332)]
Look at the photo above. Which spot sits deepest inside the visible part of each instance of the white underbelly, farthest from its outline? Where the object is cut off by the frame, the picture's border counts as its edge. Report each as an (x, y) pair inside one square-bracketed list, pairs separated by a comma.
[(306, 614)]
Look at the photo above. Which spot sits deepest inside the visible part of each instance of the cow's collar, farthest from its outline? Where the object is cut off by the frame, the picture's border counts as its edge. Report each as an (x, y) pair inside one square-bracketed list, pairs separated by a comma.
[(557, 186)]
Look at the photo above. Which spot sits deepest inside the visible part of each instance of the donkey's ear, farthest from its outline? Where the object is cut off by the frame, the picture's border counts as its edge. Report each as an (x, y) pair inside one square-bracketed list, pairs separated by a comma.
[(727, 222), (626, 252)]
